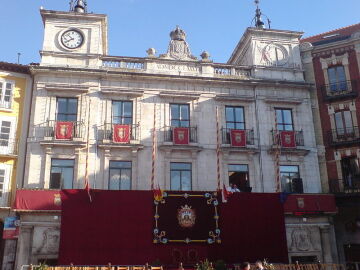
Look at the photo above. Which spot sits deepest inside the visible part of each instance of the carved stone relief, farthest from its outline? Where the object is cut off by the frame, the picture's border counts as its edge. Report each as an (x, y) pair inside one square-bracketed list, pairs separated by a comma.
[(46, 240), (303, 239)]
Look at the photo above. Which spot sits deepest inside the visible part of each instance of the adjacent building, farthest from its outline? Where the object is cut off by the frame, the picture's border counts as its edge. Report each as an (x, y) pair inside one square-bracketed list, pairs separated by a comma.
[(94, 114), (331, 61), (15, 90)]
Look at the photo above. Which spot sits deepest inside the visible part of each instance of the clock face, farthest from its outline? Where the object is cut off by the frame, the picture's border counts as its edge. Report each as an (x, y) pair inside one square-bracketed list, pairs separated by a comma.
[(72, 39), (274, 55)]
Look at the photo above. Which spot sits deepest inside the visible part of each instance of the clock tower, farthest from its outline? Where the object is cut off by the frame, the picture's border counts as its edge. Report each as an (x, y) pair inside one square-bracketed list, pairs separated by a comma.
[(75, 38), (271, 52)]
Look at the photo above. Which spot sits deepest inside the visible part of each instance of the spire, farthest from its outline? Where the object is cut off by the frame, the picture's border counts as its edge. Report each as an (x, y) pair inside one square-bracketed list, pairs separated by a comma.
[(79, 6), (258, 20)]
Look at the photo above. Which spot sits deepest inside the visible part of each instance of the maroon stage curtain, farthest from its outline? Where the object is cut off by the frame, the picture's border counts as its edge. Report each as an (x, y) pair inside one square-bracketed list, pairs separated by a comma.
[(117, 227)]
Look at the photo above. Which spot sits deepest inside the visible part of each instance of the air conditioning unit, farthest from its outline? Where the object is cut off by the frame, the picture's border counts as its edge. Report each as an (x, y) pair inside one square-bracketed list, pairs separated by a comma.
[(297, 185)]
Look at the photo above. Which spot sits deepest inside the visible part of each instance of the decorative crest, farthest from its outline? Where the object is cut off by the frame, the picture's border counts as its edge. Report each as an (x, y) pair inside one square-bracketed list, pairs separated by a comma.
[(178, 47), (79, 6)]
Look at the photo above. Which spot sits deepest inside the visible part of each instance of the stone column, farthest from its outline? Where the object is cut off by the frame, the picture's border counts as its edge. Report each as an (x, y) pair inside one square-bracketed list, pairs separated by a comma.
[(326, 244), (23, 252)]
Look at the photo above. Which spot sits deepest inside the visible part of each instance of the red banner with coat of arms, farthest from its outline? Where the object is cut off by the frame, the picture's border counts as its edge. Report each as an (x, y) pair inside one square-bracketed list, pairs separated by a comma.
[(181, 217), (181, 135), (121, 133), (238, 137), (288, 139), (64, 130)]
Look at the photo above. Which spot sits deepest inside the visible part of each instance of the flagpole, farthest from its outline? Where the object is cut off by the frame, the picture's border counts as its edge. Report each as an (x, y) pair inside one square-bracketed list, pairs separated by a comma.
[(277, 154), (218, 150), (153, 156), (87, 183)]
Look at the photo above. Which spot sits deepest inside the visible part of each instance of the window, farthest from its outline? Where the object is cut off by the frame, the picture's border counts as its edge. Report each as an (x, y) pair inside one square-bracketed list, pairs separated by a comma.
[(5, 171), (5, 129), (122, 112), (6, 91), (180, 115), (239, 176), (350, 172), (180, 174), (62, 173), (287, 175), (67, 109), (234, 117), (120, 175), (284, 119), (343, 122), (337, 78)]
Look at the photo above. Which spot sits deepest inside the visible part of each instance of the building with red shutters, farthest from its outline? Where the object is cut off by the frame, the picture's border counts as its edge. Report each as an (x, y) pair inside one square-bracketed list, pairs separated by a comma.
[(331, 61)]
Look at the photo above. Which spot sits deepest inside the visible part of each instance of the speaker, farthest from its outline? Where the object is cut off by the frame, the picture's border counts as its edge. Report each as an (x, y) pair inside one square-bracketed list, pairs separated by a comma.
[(297, 185)]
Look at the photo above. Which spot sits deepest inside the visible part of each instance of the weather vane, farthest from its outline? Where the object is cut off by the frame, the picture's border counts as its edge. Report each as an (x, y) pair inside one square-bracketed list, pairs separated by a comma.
[(258, 21)]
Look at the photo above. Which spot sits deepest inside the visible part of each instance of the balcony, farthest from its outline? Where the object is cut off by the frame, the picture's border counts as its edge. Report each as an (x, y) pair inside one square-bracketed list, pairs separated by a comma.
[(8, 147), (296, 138), (169, 134), (345, 186), (340, 90), (226, 136), (62, 132), (345, 136), (129, 133)]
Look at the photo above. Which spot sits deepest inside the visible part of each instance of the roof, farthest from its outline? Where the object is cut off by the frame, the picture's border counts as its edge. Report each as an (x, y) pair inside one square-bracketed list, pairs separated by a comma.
[(14, 67), (333, 35)]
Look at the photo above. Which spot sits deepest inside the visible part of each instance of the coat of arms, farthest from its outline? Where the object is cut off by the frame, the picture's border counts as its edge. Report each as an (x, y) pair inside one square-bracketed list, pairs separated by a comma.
[(300, 202), (121, 132), (181, 135), (186, 216), (57, 199), (238, 137), (63, 130), (288, 139)]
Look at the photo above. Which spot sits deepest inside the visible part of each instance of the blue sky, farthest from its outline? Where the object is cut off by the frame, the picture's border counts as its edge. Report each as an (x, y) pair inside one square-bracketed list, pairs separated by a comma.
[(136, 25)]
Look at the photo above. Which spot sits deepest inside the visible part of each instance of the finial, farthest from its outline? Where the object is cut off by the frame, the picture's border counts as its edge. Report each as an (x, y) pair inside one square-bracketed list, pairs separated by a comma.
[(258, 21), (79, 6)]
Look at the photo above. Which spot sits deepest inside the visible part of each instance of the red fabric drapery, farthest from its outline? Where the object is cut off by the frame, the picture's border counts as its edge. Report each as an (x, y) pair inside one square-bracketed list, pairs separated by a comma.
[(238, 137), (117, 227), (288, 139), (121, 133), (181, 135), (64, 130)]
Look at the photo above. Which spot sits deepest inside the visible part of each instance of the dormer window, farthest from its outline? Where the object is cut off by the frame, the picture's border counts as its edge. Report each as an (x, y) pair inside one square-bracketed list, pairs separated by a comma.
[(337, 78)]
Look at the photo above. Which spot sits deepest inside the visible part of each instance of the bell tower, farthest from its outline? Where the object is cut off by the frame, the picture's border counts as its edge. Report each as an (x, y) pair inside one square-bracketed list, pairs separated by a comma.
[(75, 38)]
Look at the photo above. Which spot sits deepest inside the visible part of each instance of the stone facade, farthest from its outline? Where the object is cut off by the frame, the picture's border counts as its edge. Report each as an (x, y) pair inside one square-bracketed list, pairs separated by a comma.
[(263, 74)]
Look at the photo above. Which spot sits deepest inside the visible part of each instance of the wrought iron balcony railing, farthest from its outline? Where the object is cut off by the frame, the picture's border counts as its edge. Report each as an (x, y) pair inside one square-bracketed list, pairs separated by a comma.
[(169, 134), (348, 185), (340, 90), (342, 136), (106, 132), (226, 136), (8, 147), (277, 138), (76, 129)]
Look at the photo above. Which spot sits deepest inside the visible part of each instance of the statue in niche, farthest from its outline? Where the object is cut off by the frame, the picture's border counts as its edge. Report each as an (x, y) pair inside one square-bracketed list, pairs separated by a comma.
[(301, 240), (50, 242), (178, 47)]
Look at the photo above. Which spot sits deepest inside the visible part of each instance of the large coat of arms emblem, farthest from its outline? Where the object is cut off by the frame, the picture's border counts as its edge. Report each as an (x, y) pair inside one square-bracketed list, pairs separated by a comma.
[(238, 137), (186, 216), (63, 130)]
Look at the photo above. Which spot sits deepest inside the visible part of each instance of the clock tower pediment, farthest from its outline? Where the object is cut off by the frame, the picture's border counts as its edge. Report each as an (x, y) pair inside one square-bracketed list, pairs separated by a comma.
[(73, 39)]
